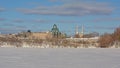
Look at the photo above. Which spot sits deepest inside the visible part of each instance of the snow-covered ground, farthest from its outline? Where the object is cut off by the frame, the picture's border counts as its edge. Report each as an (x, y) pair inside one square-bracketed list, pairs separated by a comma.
[(59, 58)]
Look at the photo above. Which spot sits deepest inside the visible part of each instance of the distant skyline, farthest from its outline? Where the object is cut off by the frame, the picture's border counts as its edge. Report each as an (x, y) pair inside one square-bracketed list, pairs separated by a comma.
[(40, 15)]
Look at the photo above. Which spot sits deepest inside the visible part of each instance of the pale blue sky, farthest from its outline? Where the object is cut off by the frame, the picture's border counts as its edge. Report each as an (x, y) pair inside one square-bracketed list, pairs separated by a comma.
[(39, 15)]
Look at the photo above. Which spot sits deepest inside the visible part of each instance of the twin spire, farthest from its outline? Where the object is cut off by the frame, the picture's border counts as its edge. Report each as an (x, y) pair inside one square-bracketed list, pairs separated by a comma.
[(77, 29)]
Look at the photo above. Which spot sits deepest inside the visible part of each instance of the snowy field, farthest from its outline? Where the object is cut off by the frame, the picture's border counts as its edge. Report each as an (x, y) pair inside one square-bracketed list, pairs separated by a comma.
[(59, 58)]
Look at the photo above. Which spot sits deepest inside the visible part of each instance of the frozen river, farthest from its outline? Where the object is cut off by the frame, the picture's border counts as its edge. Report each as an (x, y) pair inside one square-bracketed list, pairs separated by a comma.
[(59, 58)]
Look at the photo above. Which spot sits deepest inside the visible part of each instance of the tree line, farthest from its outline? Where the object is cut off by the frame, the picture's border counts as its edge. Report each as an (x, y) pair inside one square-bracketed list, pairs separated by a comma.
[(108, 40)]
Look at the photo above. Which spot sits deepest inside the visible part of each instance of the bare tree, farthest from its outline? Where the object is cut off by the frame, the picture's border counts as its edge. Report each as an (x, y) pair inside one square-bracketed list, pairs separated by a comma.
[(106, 40), (117, 34)]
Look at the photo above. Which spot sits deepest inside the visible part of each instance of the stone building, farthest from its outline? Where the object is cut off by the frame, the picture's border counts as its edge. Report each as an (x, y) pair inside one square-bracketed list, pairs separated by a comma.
[(34, 35), (40, 35)]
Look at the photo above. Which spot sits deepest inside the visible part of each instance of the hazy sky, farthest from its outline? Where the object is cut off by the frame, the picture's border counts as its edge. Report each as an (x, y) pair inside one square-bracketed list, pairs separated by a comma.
[(39, 15)]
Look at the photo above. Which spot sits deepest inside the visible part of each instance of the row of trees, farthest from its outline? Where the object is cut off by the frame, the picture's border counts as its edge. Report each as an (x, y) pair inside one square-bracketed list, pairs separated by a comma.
[(108, 40)]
